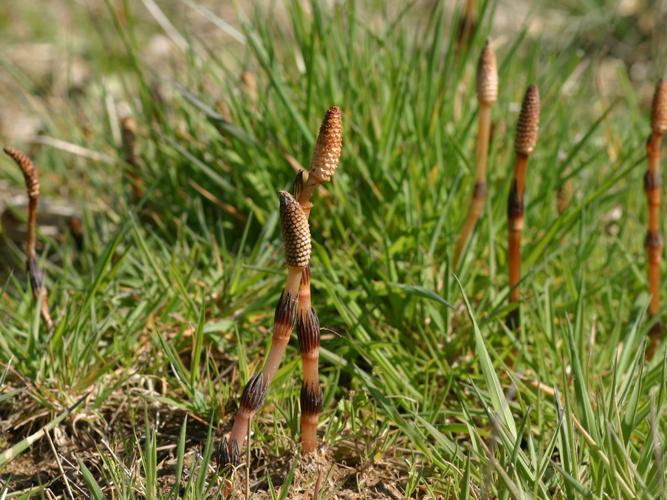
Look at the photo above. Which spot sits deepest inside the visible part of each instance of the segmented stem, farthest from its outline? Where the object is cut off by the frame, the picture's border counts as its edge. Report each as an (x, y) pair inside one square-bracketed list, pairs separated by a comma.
[(524, 144), (515, 214), (325, 160), (487, 94), (479, 191), (652, 185), (296, 240), (35, 275), (308, 332), (654, 241)]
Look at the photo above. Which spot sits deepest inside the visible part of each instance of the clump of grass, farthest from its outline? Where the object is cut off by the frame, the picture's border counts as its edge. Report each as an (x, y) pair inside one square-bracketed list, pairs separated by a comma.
[(35, 274), (323, 165), (296, 239), (487, 94), (524, 144), (417, 416), (652, 184)]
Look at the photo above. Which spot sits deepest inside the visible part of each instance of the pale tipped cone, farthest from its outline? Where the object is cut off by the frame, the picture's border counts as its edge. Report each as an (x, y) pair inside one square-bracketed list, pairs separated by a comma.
[(329, 146), (487, 75), (295, 231), (529, 121), (659, 108)]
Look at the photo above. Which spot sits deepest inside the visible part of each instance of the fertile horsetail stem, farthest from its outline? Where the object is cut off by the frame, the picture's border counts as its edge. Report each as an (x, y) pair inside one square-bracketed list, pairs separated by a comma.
[(128, 128), (524, 144), (308, 332), (652, 184), (296, 239), (487, 94), (323, 165), (34, 273)]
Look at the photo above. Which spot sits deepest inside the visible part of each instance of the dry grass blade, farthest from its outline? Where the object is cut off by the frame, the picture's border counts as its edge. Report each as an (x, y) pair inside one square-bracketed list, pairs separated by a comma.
[(13, 452)]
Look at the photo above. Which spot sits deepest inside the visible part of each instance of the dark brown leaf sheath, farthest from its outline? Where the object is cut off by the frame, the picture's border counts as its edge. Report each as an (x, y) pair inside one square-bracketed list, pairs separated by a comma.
[(284, 317), (311, 399), (308, 331), (254, 393), (228, 453)]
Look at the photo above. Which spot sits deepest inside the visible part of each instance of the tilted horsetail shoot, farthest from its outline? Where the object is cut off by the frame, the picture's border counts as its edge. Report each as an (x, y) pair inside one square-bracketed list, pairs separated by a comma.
[(35, 274), (296, 239)]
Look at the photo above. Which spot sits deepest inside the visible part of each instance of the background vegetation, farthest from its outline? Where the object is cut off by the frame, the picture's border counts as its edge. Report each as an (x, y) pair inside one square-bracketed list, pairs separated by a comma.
[(163, 309)]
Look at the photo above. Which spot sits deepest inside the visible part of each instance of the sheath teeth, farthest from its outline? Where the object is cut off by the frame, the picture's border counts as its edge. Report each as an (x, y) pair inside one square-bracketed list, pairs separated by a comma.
[(35, 275), (228, 453), (308, 331), (311, 399), (253, 393), (285, 311)]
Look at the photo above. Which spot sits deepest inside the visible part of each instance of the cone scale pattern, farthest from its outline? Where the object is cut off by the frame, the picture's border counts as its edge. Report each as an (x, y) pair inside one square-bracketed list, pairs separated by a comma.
[(528, 123), (295, 231)]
